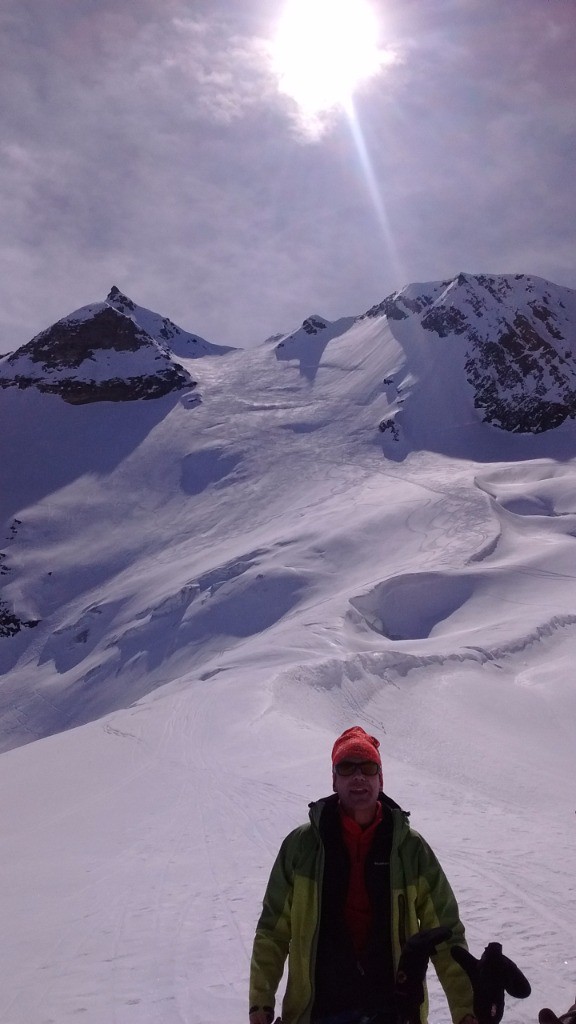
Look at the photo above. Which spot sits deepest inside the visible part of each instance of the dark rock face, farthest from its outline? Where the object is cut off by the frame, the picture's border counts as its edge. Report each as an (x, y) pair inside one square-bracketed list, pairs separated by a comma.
[(445, 321), (78, 359), (69, 343), (401, 305), (117, 389), (10, 624), (521, 381), (389, 307), (313, 324), (120, 301)]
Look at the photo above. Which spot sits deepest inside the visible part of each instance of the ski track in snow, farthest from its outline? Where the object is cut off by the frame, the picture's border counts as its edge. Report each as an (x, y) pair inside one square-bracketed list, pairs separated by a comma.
[(212, 639)]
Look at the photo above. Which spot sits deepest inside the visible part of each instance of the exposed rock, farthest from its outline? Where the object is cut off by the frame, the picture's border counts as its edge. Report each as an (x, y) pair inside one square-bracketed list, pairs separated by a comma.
[(10, 624), (518, 333), (445, 320), (314, 324), (121, 302), (400, 305), (389, 424), (97, 354), (163, 330), (522, 383)]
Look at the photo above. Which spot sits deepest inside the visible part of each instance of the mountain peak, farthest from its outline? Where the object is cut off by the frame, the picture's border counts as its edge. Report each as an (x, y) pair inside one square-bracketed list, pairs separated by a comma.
[(119, 300), (95, 354), (514, 343), (163, 330)]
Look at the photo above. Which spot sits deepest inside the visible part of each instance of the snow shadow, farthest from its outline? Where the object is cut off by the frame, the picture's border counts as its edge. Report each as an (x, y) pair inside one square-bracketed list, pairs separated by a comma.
[(47, 443), (308, 355), (409, 607), (101, 668), (545, 489), (210, 466), (231, 610), (307, 344), (302, 427), (68, 646)]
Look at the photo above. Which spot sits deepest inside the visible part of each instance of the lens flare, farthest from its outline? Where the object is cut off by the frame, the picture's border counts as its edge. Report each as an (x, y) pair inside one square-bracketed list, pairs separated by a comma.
[(323, 49)]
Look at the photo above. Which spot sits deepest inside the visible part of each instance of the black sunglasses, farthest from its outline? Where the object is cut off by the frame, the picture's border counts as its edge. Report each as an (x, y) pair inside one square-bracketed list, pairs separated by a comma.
[(349, 767)]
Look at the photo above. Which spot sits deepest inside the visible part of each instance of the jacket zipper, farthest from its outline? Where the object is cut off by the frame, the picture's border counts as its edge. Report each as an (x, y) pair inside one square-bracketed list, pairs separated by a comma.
[(402, 920), (314, 944)]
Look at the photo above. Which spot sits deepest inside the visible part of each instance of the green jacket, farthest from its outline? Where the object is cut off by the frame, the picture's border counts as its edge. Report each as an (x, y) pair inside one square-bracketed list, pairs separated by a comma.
[(288, 925)]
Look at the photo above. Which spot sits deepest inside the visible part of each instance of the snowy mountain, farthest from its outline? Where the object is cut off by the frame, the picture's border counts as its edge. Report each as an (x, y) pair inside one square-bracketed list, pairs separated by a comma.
[(511, 336), (107, 352), (368, 521), (94, 355)]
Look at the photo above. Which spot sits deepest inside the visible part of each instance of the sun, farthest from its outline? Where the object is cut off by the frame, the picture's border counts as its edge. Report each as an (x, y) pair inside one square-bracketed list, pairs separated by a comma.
[(323, 49)]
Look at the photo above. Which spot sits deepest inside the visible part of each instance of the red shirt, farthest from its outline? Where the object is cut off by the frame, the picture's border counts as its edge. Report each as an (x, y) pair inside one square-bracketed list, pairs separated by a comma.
[(358, 911)]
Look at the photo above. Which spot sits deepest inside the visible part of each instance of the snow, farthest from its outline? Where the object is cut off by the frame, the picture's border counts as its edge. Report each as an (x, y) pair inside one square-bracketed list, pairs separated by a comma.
[(108, 365), (181, 342), (222, 588)]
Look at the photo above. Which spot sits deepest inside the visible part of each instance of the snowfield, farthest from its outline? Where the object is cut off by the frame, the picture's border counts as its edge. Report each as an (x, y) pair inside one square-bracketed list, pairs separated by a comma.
[(220, 586)]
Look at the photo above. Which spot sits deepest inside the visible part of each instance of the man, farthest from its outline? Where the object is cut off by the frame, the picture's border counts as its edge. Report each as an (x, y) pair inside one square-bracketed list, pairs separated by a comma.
[(346, 891)]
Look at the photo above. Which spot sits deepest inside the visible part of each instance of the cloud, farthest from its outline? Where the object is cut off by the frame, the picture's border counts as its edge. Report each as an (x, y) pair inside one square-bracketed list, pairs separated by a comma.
[(146, 145), (227, 75), (112, 124)]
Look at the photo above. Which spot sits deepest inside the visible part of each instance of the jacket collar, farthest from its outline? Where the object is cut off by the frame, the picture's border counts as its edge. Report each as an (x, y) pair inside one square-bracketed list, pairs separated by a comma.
[(318, 806)]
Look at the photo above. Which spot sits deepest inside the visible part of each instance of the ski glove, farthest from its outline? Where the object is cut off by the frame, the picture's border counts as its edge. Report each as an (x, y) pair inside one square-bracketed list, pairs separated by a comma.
[(491, 976)]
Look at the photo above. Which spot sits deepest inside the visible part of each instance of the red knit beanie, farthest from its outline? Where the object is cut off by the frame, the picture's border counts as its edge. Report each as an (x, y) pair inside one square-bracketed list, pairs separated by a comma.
[(355, 742)]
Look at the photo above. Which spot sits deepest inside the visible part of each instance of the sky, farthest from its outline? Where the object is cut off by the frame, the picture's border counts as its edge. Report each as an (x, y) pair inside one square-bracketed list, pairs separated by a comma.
[(223, 587), (151, 145)]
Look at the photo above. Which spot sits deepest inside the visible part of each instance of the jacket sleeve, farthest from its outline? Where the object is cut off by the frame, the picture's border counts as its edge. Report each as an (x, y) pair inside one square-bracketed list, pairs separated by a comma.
[(437, 906), (273, 930)]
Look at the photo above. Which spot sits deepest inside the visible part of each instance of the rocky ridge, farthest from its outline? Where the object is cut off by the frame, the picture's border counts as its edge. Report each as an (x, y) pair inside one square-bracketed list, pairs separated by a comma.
[(180, 342), (519, 335)]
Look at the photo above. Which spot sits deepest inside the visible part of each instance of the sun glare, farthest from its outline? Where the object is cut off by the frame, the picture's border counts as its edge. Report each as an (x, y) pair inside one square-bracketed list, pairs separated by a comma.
[(323, 49)]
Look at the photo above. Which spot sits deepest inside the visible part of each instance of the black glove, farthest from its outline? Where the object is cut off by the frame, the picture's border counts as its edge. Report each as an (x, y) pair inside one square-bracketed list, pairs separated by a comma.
[(412, 967), (491, 976)]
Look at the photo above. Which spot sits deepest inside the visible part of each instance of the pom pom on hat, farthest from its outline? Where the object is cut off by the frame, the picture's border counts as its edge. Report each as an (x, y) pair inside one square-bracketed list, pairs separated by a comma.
[(355, 743)]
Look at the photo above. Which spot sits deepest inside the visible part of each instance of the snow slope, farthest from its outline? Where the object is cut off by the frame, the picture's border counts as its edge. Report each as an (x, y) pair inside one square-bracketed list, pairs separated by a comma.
[(181, 342), (218, 590)]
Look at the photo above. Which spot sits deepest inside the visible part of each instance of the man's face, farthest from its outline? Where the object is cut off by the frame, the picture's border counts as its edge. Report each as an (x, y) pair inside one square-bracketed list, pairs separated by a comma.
[(358, 793)]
